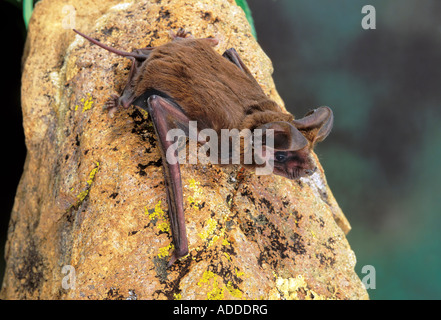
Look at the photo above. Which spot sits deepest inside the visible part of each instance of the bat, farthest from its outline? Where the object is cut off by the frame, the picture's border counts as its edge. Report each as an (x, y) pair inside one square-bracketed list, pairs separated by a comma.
[(186, 80)]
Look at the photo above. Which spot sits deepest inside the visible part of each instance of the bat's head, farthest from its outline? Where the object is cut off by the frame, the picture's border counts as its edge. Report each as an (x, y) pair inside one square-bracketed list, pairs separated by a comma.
[(293, 141)]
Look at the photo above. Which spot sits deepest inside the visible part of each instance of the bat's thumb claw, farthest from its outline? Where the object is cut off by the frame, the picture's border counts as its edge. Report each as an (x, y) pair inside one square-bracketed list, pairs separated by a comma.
[(172, 260), (177, 255)]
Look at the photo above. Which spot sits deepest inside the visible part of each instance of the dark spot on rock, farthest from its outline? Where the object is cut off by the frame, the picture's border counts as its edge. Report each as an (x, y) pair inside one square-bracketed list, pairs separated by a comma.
[(229, 224), (142, 167), (201, 205), (207, 16), (29, 269), (141, 171), (165, 14), (324, 196), (298, 247), (324, 260), (247, 193), (318, 220), (113, 195), (108, 31), (228, 199), (113, 294), (268, 204)]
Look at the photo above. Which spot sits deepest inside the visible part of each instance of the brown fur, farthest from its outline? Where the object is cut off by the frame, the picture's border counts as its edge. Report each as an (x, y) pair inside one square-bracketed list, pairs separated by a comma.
[(209, 88)]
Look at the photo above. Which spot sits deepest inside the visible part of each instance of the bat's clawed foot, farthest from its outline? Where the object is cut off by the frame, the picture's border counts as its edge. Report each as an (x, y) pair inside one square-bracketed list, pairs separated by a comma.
[(181, 33), (111, 105)]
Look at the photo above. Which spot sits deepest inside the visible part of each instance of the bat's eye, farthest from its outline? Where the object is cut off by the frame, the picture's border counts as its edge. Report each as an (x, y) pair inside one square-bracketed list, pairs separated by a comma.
[(280, 157)]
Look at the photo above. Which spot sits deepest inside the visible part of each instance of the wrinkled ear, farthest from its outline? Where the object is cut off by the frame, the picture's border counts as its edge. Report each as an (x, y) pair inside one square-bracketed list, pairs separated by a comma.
[(286, 136), (316, 125)]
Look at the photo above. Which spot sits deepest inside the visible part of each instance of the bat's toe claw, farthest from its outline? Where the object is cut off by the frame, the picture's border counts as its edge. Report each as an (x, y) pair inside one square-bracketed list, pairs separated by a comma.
[(112, 102), (181, 33)]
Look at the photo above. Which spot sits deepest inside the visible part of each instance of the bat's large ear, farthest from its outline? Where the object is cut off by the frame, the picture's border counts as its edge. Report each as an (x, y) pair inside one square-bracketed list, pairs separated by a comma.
[(286, 136), (316, 125)]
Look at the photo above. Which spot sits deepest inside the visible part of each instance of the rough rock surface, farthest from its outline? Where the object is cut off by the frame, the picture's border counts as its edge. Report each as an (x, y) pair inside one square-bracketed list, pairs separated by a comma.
[(92, 193)]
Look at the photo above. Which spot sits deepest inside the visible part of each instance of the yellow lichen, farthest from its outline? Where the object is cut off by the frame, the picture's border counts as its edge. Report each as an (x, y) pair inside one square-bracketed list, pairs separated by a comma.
[(233, 291), (290, 288), (93, 173), (87, 104), (239, 273), (83, 194), (209, 229), (164, 227), (165, 251), (144, 113), (217, 290), (227, 256), (158, 214), (216, 293), (177, 296), (194, 200)]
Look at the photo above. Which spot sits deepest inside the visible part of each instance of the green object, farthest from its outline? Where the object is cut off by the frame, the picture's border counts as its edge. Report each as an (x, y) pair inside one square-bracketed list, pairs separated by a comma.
[(28, 6), (244, 5)]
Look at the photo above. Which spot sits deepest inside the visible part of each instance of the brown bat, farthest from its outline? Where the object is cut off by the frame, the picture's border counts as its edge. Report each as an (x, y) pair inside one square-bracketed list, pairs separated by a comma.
[(186, 80)]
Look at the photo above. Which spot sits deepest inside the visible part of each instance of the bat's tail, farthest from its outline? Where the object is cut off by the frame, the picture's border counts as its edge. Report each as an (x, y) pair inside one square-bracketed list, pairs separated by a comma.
[(116, 51)]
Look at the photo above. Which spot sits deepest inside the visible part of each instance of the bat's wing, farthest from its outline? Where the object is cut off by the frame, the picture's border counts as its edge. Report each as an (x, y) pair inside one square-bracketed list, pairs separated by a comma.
[(232, 55), (167, 115)]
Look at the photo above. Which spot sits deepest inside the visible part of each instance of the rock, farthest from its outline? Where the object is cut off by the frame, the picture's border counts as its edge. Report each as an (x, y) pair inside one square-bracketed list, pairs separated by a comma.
[(90, 215)]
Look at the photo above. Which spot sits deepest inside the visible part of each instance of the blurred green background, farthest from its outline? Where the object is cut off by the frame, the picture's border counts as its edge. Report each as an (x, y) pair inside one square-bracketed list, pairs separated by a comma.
[(381, 159)]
